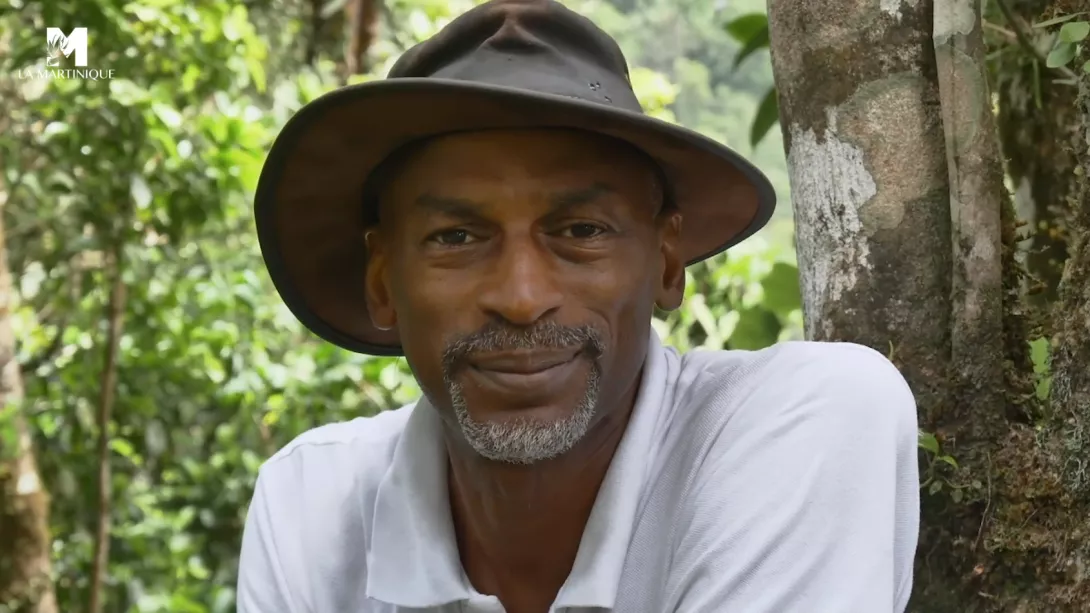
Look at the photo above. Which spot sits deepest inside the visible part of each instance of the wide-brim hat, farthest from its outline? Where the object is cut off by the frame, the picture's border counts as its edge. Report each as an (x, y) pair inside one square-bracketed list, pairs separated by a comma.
[(503, 64)]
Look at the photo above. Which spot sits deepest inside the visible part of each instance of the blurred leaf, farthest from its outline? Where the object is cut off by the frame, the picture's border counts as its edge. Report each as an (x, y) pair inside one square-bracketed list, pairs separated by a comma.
[(1075, 31), (759, 41), (1040, 349), (140, 192), (1057, 20), (928, 442), (757, 328), (743, 29), (781, 289), (768, 114), (1060, 55)]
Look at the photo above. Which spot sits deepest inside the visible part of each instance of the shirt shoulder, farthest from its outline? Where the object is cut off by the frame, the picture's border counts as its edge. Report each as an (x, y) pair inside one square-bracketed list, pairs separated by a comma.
[(309, 523), (801, 482), (328, 468), (780, 375), (373, 436), (729, 398)]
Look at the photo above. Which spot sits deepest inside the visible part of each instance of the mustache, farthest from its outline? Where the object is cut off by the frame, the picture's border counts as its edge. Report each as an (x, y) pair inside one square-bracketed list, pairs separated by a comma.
[(502, 337)]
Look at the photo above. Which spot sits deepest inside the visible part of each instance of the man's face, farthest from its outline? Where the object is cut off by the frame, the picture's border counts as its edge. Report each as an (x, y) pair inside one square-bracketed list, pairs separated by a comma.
[(521, 269)]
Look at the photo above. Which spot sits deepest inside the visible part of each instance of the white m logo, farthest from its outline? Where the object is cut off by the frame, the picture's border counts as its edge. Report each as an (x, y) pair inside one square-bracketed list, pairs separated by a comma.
[(58, 44)]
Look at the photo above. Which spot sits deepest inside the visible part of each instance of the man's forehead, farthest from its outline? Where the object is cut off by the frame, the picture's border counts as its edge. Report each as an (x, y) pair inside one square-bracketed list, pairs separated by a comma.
[(534, 152), (565, 167)]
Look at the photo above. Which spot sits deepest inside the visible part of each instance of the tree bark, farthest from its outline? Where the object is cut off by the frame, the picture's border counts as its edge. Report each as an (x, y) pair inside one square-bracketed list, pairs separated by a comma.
[(115, 310), (1071, 357), (977, 198), (859, 104), (362, 17), (26, 584), (906, 242)]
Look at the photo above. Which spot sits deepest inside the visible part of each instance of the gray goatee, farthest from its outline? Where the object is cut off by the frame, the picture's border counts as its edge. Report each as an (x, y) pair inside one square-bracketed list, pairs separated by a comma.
[(524, 440)]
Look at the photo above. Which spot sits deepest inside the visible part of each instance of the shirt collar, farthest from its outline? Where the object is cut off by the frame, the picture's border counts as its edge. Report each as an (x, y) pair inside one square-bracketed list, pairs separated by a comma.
[(413, 557)]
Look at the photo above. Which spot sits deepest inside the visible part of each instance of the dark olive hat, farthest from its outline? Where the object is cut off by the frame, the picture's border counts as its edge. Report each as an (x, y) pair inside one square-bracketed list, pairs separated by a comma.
[(502, 64)]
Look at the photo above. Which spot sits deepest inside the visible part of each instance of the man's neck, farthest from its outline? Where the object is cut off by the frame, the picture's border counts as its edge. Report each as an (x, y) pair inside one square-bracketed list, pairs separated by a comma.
[(519, 527)]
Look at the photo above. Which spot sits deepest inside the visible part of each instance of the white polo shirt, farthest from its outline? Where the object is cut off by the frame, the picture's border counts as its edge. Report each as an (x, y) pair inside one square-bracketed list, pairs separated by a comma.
[(776, 481)]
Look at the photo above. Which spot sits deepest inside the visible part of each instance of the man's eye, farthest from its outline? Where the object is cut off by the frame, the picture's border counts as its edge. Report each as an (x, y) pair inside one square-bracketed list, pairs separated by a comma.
[(582, 230), (451, 237)]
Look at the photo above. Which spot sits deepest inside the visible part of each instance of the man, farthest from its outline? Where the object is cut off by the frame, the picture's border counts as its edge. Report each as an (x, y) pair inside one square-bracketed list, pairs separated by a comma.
[(500, 212)]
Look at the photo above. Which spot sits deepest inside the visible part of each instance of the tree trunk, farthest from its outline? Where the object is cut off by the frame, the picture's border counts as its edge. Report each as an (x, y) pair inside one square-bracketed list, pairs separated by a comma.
[(859, 106), (362, 17), (25, 571), (906, 243)]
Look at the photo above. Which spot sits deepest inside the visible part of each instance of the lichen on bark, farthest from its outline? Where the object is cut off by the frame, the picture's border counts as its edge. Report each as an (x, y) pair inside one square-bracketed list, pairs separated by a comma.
[(858, 102)]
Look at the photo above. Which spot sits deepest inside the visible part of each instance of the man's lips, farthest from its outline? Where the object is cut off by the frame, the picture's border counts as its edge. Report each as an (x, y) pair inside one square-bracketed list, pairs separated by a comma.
[(523, 362), (524, 372)]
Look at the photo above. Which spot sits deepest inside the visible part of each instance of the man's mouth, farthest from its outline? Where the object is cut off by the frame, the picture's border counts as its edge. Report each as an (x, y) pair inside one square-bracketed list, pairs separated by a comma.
[(526, 370), (523, 362)]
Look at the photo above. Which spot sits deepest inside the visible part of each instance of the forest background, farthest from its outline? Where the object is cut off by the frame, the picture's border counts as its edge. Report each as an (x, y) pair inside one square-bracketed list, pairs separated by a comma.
[(148, 366)]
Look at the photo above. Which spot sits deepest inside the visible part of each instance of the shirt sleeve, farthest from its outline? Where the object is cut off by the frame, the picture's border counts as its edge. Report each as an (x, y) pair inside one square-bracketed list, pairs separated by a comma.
[(808, 499), (261, 584)]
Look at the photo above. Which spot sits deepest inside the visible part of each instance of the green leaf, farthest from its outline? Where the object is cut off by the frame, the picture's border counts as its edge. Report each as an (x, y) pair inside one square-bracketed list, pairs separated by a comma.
[(928, 442), (936, 487), (1043, 388), (1039, 350), (122, 447), (957, 496), (1075, 31), (1057, 20), (140, 192), (949, 460), (1060, 55), (127, 92), (757, 328), (781, 289), (759, 41), (1086, 66), (744, 28), (767, 116), (170, 116)]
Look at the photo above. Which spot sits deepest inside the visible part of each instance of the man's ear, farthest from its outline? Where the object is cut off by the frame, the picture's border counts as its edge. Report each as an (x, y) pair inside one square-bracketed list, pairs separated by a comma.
[(379, 306), (671, 289)]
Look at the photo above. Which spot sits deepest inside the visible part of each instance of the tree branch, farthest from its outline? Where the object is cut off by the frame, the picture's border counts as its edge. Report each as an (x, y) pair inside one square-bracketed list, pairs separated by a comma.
[(115, 309)]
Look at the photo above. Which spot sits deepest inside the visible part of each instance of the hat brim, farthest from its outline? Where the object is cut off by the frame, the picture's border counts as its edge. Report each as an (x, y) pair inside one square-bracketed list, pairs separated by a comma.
[(308, 206)]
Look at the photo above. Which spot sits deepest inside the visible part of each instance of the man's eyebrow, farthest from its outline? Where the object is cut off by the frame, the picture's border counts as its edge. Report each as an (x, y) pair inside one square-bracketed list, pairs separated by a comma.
[(462, 207), (573, 198), (454, 207)]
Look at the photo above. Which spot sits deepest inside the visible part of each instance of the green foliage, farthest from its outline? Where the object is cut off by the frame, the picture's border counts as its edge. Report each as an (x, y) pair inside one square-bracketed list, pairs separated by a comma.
[(1069, 40), (214, 374), (746, 300), (1040, 354), (751, 30)]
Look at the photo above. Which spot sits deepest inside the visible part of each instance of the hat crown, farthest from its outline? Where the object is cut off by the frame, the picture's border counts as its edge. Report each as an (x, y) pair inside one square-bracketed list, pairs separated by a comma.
[(535, 45)]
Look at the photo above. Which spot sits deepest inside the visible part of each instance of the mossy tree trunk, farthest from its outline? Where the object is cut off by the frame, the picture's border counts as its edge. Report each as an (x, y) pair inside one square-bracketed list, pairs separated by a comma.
[(26, 584), (906, 242)]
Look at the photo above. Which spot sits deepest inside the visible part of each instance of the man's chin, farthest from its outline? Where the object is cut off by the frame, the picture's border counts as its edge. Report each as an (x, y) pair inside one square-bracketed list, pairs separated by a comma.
[(540, 415), (527, 435)]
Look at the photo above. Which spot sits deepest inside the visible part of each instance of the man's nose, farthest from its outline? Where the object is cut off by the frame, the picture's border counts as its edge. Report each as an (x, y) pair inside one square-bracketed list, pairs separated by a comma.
[(521, 286)]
